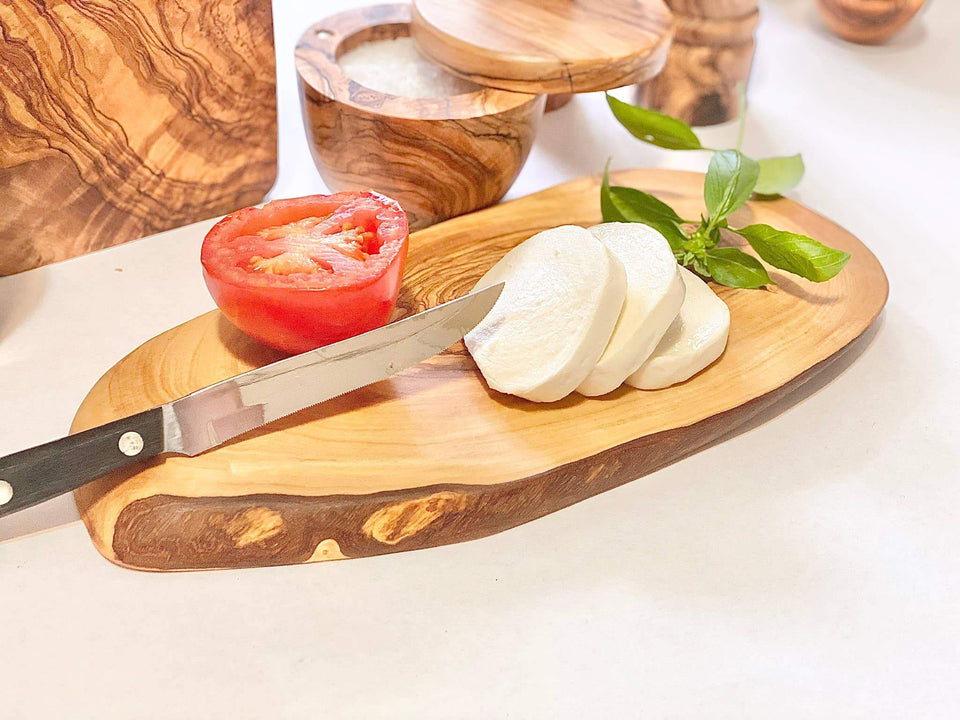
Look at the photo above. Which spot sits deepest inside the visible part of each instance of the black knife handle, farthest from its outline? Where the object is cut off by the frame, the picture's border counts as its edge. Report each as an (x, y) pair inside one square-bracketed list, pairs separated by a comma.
[(57, 467)]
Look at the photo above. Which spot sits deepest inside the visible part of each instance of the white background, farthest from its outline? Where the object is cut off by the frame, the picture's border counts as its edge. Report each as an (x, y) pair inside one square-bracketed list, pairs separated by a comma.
[(807, 568)]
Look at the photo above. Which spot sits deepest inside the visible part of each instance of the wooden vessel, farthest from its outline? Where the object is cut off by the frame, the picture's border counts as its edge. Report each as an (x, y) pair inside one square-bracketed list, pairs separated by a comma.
[(711, 54), (432, 456), (437, 157), (124, 118), (867, 21), (442, 157)]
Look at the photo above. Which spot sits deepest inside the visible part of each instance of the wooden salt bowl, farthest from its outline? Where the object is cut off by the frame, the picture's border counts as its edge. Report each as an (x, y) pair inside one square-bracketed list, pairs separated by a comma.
[(438, 157), (867, 21), (711, 54)]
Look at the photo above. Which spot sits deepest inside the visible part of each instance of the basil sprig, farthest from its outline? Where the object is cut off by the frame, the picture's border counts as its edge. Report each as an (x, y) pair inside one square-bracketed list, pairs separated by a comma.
[(731, 179)]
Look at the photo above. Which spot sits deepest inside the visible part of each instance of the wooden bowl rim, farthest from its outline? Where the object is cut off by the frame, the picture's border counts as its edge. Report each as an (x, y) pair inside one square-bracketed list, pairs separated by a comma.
[(316, 62)]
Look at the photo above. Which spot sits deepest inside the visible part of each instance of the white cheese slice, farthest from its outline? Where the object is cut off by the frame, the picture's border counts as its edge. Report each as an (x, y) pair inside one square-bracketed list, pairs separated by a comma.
[(695, 339), (654, 296), (562, 296)]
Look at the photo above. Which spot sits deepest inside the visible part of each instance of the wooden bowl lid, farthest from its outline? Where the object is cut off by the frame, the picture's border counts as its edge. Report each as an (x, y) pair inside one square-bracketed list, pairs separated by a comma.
[(545, 46)]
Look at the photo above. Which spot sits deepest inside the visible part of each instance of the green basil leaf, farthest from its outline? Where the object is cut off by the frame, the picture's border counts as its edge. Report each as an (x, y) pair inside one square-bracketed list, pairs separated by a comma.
[(623, 204), (795, 253), (729, 182), (699, 266), (779, 175), (639, 207), (653, 127), (635, 205), (732, 267), (607, 208)]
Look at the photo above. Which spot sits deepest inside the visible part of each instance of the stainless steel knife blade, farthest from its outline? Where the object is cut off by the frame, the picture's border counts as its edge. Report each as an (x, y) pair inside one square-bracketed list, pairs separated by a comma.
[(215, 414), (209, 417)]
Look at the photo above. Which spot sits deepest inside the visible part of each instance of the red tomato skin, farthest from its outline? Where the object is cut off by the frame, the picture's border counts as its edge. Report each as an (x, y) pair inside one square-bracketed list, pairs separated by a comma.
[(297, 319)]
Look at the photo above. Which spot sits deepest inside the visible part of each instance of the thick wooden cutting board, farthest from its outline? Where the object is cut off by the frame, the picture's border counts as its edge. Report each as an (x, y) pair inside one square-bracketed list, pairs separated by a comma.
[(122, 118), (432, 456)]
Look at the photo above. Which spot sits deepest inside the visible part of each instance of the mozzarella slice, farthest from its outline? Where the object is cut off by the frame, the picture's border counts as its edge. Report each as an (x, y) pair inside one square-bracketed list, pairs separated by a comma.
[(562, 296), (654, 296), (695, 339)]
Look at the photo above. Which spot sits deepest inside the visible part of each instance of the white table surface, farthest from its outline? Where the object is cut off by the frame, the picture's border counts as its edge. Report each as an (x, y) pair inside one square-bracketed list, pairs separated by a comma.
[(807, 568)]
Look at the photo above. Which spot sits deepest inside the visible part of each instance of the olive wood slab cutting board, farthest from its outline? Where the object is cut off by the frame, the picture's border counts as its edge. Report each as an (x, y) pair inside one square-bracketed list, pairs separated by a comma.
[(432, 456), (122, 118)]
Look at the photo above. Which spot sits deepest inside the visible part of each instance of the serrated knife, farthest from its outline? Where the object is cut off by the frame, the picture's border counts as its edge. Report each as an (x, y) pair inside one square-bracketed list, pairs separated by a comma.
[(211, 416)]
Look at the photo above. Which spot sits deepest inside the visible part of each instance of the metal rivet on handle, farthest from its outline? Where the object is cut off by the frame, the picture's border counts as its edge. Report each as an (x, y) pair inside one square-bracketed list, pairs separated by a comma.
[(6, 492), (130, 444)]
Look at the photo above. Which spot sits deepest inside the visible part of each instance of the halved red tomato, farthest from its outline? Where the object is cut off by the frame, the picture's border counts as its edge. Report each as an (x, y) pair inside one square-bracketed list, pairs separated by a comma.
[(297, 274)]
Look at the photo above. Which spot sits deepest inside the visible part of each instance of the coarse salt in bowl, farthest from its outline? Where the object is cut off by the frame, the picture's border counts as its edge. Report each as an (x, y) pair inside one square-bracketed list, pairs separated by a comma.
[(395, 66)]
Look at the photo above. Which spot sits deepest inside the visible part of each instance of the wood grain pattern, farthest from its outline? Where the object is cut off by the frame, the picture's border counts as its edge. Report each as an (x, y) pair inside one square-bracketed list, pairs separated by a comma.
[(121, 118), (432, 456), (711, 53), (439, 157), (867, 21), (545, 46)]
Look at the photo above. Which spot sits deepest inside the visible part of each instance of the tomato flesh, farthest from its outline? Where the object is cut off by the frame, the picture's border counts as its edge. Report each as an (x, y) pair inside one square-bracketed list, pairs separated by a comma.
[(300, 273)]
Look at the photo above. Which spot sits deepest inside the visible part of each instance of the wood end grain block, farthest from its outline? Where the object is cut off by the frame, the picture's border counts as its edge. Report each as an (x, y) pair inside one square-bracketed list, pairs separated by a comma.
[(119, 119)]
